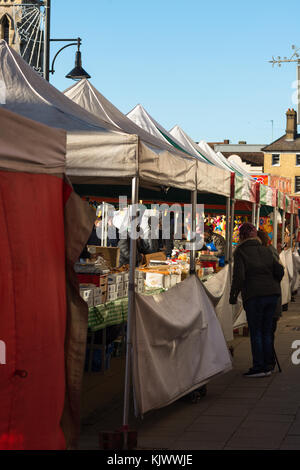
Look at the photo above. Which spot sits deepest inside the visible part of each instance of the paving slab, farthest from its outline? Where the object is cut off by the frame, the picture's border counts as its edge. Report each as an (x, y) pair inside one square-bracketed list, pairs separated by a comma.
[(237, 413)]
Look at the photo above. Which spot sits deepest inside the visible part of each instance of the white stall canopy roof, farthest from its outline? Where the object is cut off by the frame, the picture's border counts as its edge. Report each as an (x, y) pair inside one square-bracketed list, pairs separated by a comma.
[(188, 143), (96, 150), (210, 179), (88, 97), (216, 176), (142, 118)]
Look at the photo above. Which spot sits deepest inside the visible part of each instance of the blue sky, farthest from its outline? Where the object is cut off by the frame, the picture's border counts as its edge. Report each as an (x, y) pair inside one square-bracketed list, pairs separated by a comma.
[(202, 65)]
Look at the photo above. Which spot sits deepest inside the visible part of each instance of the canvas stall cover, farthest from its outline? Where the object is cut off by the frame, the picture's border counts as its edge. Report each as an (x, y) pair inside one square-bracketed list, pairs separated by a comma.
[(97, 151), (218, 290), (244, 189), (210, 179), (296, 271), (281, 200), (288, 204), (169, 337), (211, 154), (213, 178), (190, 145), (38, 383), (285, 282), (267, 195)]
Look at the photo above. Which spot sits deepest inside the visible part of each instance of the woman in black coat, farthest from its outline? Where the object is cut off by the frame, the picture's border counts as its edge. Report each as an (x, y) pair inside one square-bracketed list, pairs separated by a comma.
[(257, 275)]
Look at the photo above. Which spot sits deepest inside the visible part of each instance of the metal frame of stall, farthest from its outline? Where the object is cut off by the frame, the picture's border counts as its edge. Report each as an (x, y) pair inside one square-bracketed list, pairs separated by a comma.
[(131, 293)]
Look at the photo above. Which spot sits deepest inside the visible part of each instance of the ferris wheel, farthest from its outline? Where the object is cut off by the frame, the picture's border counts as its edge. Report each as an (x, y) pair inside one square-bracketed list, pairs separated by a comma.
[(29, 22)]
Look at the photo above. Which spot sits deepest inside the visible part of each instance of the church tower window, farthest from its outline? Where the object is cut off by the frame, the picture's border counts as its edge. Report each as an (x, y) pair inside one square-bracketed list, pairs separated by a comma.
[(5, 29)]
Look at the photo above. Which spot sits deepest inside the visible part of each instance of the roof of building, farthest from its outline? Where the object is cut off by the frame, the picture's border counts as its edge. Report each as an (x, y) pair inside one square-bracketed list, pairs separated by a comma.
[(283, 145), (252, 158)]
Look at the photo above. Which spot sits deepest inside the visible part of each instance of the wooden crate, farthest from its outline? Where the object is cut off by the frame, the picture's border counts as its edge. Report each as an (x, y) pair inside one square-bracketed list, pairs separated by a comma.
[(159, 256), (111, 254)]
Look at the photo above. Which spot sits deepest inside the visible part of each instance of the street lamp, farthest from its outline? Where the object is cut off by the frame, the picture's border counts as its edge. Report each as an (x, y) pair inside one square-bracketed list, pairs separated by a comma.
[(77, 72)]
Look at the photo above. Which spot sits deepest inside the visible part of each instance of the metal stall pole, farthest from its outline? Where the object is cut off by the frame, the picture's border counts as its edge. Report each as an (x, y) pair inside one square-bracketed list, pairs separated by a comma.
[(131, 308), (275, 228), (282, 228), (257, 217), (193, 240), (227, 230), (291, 230), (231, 228), (254, 213), (106, 224), (102, 225)]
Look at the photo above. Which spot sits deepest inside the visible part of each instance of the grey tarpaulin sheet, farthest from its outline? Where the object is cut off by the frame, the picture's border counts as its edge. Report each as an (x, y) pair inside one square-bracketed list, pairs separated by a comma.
[(178, 344), (218, 290)]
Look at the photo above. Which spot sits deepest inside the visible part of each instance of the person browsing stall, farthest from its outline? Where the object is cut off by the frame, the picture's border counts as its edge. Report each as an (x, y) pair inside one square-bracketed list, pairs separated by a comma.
[(257, 275)]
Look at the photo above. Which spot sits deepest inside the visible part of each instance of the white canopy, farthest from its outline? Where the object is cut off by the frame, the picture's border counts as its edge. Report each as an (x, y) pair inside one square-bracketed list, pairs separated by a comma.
[(96, 150), (29, 146), (221, 179), (88, 97), (211, 179)]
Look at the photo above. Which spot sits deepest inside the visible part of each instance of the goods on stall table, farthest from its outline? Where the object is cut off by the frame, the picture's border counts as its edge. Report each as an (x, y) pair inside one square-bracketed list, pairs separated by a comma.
[(93, 295), (110, 254)]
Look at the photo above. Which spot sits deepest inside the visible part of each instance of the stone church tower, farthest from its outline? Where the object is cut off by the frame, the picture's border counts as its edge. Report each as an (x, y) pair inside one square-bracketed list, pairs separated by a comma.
[(20, 27)]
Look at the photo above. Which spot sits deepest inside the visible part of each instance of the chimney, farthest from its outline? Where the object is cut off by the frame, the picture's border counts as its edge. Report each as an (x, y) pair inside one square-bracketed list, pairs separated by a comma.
[(226, 141), (291, 124), (242, 142)]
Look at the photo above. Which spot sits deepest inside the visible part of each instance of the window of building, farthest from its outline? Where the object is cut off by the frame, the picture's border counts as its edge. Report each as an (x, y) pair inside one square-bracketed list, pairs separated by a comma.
[(4, 29), (298, 160), (275, 159), (297, 184)]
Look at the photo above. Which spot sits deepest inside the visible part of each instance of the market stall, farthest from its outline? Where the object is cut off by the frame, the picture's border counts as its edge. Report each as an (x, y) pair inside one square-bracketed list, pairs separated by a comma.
[(97, 152), (84, 94), (42, 315)]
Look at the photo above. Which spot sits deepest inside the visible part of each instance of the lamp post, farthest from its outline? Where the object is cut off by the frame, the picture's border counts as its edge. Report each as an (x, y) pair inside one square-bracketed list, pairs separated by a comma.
[(77, 72)]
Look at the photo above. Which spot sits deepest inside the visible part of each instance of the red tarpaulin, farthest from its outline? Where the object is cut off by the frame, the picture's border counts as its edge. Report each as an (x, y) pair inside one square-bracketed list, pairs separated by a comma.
[(43, 320)]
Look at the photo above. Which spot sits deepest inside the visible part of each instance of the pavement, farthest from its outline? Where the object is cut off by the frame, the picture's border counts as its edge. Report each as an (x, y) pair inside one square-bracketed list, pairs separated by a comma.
[(237, 412)]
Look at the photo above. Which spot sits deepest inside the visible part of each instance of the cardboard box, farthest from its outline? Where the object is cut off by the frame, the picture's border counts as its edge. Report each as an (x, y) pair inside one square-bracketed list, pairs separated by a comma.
[(111, 296), (88, 296), (99, 299), (115, 278), (111, 288), (175, 279), (109, 253), (139, 274), (97, 291), (155, 280), (120, 287), (140, 289), (167, 282), (160, 255), (103, 281)]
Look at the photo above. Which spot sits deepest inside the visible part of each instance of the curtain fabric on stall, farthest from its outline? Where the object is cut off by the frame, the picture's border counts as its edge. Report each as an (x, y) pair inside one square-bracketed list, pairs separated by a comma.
[(40, 381), (164, 339)]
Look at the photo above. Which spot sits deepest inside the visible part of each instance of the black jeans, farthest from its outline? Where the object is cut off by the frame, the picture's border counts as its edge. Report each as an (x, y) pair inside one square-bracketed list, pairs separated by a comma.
[(260, 315)]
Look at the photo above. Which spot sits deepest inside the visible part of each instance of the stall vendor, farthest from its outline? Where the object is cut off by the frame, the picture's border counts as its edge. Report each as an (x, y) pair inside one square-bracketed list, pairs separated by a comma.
[(214, 241)]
